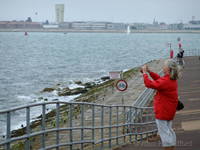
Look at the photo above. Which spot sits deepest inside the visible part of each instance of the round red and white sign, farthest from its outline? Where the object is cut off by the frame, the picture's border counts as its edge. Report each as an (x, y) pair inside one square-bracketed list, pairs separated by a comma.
[(121, 85)]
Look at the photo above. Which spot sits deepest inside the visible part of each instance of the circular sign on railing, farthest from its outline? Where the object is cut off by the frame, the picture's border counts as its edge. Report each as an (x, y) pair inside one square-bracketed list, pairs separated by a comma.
[(121, 85)]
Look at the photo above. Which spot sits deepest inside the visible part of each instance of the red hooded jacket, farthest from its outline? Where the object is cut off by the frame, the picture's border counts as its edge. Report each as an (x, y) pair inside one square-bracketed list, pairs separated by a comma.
[(166, 98)]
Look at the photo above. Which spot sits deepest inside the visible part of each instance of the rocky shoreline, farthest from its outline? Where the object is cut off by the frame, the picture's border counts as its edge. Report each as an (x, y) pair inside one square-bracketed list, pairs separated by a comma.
[(84, 90), (80, 89)]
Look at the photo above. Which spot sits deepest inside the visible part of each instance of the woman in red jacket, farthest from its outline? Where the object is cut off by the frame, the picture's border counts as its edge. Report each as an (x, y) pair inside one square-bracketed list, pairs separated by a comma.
[(165, 100)]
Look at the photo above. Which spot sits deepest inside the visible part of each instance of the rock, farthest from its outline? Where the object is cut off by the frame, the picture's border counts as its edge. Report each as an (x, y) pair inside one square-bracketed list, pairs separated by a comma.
[(78, 91), (78, 82), (58, 89), (64, 93), (45, 99), (105, 78), (18, 132), (89, 85), (40, 98), (48, 89), (87, 89), (55, 99), (67, 91)]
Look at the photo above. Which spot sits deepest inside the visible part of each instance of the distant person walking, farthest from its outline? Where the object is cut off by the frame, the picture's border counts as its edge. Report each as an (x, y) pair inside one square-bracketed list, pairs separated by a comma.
[(165, 100), (180, 54), (180, 49), (171, 53)]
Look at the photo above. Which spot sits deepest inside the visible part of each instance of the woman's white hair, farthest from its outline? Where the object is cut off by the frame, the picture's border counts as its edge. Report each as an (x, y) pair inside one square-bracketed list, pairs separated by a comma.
[(173, 69)]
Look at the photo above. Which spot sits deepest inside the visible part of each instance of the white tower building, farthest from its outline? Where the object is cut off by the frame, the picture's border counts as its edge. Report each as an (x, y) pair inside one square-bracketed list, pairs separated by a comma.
[(59, 8)]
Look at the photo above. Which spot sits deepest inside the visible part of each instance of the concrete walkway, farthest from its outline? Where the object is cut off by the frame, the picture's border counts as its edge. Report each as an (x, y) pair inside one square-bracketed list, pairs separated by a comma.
[(187, 121)]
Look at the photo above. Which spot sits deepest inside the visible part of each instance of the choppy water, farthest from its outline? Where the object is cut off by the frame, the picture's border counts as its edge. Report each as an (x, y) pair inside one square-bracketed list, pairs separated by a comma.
[(30, 63)]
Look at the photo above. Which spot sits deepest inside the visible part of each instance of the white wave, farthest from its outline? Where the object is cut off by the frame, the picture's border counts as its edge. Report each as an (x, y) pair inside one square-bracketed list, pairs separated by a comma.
[(73, 86), (23, 97), (126, 70), (55, 93), (99, 81), (62, 98), (85, 80), (69, 98)]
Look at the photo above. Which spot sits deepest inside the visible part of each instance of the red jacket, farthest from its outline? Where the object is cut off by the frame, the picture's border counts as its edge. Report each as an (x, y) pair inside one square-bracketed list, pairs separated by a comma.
[(166, 98)]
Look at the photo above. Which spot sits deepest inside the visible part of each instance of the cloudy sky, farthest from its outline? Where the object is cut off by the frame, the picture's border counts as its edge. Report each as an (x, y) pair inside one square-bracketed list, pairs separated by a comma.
[(169, 11)]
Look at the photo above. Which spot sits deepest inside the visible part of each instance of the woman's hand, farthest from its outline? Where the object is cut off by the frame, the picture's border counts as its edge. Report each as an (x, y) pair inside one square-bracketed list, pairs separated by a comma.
[(145, 69), (148, 70)]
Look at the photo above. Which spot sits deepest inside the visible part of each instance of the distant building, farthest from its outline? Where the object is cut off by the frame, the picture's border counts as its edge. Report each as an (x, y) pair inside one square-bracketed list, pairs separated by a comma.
[(191, 26), (116, 26), (138, 26), (29, 19), (19, 25), (155, 23), (65, 25), (163, 26), (50, 26), (195, 22), (59, 8), (89, 25), (46, 22), (173, 26)]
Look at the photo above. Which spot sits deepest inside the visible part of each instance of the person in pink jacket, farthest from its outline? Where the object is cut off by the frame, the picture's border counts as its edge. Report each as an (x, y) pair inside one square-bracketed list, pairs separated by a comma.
[(165, 100)]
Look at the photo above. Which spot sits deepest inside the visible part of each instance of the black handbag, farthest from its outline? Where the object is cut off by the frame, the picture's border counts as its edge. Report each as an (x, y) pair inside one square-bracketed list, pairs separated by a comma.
[(180, 105)]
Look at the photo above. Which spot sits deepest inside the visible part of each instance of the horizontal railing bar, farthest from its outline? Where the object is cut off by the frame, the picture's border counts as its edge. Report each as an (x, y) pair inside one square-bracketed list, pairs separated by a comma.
[(92, 141), (127, 134), (74, 128), (126, 124), (146, 132), (67, 144), (62, 102)]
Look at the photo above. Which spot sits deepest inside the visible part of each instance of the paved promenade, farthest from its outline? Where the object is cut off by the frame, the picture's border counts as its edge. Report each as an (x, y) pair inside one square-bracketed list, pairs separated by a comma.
[(187, 121)]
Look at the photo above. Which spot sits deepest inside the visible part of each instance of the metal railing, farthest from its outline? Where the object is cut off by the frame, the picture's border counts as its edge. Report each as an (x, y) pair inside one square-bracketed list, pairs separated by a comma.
[(78, 126), (192, 52), (142, 101)]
